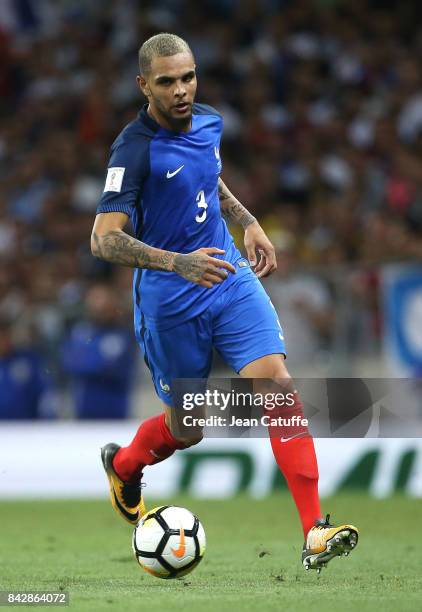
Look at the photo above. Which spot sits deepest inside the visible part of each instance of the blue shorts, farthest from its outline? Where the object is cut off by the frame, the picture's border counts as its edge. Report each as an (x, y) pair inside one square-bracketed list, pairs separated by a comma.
[(242, 325)]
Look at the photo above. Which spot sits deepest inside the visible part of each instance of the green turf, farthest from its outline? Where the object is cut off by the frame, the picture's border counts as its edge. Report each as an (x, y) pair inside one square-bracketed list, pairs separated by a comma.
[(82, 547)]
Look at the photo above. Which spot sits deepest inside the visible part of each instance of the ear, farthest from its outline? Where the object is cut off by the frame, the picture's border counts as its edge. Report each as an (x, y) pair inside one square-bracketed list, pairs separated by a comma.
[(143, 85)]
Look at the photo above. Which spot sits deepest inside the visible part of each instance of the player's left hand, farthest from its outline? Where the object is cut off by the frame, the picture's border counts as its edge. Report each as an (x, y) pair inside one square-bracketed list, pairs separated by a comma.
[(256, 241)]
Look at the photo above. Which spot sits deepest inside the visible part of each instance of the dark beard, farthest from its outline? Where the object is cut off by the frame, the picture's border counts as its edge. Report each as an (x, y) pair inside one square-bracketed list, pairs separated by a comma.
[(177, 125)]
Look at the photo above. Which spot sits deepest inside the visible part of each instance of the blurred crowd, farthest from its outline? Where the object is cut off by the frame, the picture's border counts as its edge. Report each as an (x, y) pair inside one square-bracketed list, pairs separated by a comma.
[(322, 105)]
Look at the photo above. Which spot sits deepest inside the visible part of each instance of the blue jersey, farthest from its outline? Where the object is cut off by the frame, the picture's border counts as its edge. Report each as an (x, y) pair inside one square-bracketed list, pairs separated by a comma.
[(167, 182)]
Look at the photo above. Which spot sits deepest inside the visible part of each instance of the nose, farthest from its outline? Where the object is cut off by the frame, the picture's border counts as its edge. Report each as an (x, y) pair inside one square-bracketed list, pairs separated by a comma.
[(180, 89)]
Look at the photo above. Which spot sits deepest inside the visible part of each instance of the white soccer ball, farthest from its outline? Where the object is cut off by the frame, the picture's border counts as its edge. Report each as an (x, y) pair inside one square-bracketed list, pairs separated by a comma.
[(169, 542)]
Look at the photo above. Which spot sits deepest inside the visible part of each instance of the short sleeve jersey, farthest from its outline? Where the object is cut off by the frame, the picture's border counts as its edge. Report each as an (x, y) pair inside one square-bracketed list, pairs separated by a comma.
[(167, 182)]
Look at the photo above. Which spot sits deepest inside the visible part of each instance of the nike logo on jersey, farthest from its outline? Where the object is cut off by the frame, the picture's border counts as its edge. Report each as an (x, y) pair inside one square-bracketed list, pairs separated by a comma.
[(171, 174)]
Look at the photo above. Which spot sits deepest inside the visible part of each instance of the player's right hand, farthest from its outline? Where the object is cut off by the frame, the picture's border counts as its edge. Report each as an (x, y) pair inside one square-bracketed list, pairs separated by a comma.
[(201, 268)]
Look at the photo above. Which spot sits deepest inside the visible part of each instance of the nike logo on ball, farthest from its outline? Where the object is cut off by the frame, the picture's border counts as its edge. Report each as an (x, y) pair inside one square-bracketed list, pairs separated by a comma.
[(180, 552), (171, 174)]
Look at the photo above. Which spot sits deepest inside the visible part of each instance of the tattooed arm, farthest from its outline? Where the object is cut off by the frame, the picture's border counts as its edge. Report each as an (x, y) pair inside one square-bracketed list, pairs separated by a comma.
[(255, 237), (231, 208), (111, 243)]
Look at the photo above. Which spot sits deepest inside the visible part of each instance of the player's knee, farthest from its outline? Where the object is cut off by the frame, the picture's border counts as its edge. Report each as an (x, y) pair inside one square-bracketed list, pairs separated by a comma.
[(278, 371), (274, 368)]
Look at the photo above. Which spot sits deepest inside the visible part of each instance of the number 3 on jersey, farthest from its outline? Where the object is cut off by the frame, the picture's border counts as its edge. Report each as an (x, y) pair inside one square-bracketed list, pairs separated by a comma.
[(200, 199)]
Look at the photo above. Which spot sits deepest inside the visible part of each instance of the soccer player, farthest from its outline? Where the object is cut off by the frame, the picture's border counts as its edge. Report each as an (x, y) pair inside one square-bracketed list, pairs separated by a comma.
[(192, 288)]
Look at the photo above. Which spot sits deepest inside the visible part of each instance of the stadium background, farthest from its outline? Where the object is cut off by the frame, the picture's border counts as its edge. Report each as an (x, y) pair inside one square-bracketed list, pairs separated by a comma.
[(322, 104)]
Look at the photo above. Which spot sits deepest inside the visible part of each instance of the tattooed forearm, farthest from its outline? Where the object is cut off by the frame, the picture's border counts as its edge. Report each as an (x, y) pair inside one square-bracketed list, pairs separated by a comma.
[(118, 247), (232, 209), (235, 212), (223, 192), (96, 246)]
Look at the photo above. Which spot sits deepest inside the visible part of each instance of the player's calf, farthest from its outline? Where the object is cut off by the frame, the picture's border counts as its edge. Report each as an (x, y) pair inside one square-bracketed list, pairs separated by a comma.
[(186, 432)]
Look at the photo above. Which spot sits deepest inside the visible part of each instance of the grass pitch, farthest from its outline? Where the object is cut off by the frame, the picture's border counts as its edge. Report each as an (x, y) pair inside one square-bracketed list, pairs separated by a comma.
[(252, 560)]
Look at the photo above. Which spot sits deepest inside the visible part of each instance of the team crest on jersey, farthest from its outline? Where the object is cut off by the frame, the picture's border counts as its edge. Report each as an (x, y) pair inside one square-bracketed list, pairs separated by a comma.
[(165, 387)]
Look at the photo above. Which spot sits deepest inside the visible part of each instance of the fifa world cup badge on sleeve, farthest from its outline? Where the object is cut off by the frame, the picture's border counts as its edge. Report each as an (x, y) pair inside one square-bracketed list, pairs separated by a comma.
[(114, 179)]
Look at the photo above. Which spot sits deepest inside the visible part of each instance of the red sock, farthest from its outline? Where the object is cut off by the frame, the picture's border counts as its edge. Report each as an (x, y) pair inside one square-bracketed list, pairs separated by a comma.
[(297, 460), (152, 443), (294, 452)]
